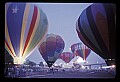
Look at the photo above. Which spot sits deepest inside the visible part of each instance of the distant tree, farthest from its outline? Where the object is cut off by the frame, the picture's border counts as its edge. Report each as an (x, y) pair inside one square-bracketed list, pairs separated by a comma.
[(41, 64), (8, 59), (28, 62)]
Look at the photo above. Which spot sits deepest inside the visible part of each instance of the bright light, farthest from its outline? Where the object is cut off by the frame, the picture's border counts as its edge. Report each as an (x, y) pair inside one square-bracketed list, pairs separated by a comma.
[(37, 65), (83, 67), (87, 62), (109, 59), (19, 60), (97, 61), (113, 66), (70, 49), (44, 63), (79, 60), (77, 56), (67, 64), (61, 64), (55, 64), (106, 67)]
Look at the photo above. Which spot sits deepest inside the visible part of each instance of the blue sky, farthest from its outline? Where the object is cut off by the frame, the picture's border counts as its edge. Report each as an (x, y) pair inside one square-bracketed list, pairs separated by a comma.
[(62, 19)]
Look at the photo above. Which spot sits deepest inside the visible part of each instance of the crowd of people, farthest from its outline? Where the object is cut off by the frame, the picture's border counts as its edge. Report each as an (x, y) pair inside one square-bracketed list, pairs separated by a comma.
[(23, 71), (14, 72)]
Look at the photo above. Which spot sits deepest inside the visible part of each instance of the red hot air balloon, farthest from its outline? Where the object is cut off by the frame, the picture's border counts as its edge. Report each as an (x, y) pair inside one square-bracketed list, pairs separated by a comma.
[(96, 28), (66, 56), (80, 50), (51, 48), (25, 27)]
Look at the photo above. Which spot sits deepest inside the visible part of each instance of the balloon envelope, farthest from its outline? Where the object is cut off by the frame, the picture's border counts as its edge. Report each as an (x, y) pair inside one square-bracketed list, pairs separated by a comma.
[(51, 48), (25, 27), (66, 56), (96, 27), (80, 50)]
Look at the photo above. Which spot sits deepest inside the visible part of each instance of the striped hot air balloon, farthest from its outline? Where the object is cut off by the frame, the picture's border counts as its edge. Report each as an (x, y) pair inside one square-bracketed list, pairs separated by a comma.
[(25, 27), (66, 56), (51, 48), (96, 28), (80, 50)]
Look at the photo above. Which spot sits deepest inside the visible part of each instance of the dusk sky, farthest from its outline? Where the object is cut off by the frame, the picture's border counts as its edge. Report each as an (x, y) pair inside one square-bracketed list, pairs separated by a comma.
[(62, 19)]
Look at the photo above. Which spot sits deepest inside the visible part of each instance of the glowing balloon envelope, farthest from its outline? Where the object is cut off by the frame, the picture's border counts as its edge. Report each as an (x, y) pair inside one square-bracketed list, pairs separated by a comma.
[(96, 27), (25, 26), (66, 56), (51, 48), (80, 50)]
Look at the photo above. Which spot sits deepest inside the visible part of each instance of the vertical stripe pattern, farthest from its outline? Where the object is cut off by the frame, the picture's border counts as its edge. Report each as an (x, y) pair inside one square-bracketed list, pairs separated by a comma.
[(80, 50), (25, 27), (96, 28), (51, 47)]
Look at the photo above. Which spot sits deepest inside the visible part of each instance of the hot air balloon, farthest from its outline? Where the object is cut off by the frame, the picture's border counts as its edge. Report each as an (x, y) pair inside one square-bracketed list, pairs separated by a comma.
[(80, 50), (51, 48), (66, 56), (96, 28), (25, 27)]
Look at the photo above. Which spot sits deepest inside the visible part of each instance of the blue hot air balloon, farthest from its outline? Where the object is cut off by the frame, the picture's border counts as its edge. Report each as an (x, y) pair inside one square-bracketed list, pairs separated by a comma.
[(25, 27)]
